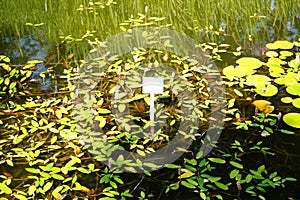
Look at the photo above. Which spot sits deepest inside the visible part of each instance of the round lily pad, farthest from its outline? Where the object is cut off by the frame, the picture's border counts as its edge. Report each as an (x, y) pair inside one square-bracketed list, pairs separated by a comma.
[(296, 103), (292, 119), (249, 62), (280, 44), (268, 91), (286, 53), (294, 89), (257, 80), (275, 70), (285, 80), (276, 61), (287, 99), (230, 72), (272, 54)]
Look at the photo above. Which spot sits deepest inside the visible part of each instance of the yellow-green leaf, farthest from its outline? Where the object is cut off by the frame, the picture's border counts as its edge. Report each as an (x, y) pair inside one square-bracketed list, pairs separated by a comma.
[(237, 165), (217, 160)]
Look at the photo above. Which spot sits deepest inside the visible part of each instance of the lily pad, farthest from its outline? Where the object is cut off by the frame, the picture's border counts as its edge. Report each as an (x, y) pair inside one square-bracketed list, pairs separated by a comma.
[(276, 70), (294, 89), (288, 79), (257, 80), (286, 53), (280, 44), (272, 54), (249, 62), (276, 61), (292, 119), (268, 91), (230, 72), (296, 103), (287, 99)]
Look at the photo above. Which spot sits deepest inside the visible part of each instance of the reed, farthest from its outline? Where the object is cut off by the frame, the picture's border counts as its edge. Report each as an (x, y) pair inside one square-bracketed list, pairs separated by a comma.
[(56, 20)]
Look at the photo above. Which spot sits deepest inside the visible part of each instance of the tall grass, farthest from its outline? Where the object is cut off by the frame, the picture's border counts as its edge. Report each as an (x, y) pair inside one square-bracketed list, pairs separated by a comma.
[(61, 18)]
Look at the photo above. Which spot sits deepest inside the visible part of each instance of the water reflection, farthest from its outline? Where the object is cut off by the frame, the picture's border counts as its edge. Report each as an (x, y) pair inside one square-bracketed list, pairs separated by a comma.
[(20, 50)]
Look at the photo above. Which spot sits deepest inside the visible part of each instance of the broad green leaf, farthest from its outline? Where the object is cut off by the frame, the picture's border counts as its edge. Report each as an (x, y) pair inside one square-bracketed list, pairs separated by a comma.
[(249, 62), (287, 99), (292, 119)]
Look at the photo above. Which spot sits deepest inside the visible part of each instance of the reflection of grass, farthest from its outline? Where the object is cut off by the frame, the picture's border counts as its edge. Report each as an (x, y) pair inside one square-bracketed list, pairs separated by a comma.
[(64, 18)]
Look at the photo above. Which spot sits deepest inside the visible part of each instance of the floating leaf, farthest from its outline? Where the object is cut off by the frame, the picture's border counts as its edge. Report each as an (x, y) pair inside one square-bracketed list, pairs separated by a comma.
[(257, 80), (286, 53), (249, 62), (294, 89), (292, 119), (280, 44), (268, 91), (287, 99), (296, 103), (272, 54)]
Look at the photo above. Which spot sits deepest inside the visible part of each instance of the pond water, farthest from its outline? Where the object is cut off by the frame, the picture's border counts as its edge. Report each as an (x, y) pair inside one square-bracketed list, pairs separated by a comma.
[(266, 28)]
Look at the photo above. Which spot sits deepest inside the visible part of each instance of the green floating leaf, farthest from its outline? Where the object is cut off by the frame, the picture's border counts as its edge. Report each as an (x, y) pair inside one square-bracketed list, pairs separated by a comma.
[(249, 62), (280, 44), (286, 53), (268, 91), (287, 100), (258, 80), (272, 54), (294, 89), (296, 103), (239, 71), (217, 160), (292, 119)]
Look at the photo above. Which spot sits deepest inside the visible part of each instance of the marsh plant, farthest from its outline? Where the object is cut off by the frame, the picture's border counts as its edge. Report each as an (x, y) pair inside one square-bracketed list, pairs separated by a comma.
[(43, 157)]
